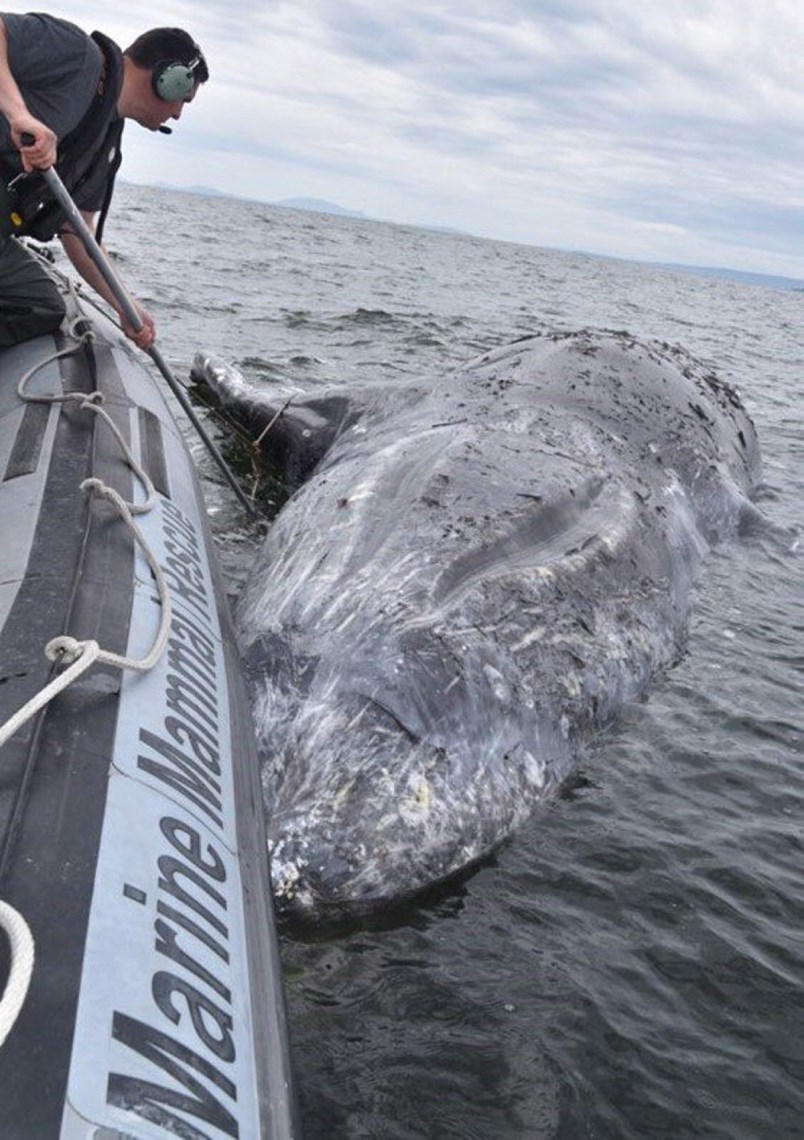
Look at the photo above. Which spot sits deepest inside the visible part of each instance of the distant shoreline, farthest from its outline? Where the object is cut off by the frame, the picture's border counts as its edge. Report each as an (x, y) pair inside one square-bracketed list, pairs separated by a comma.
[(321, 206)]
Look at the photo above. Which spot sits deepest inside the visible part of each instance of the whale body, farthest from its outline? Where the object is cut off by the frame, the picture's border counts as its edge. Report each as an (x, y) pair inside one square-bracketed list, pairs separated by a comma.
[(470, 579)]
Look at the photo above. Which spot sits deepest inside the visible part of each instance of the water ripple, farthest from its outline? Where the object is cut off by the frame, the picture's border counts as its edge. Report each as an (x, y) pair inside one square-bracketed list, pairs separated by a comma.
[(631, 964)]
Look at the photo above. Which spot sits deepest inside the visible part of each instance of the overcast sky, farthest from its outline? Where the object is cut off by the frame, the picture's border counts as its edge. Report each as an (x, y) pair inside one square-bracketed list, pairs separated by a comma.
[(661, 130)]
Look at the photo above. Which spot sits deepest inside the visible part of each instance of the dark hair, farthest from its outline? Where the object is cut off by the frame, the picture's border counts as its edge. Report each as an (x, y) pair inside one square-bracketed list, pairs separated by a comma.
[(171, 44)]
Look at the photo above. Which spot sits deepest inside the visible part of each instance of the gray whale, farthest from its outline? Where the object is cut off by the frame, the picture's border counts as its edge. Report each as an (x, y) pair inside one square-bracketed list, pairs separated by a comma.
[(469, 581)]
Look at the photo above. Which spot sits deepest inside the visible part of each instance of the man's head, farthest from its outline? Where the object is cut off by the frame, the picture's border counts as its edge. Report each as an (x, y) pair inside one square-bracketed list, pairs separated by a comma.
[(163, 70)]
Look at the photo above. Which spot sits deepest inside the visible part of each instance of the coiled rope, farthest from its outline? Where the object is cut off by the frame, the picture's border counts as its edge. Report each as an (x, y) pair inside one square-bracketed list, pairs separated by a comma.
[(77, 656), (22, 963)]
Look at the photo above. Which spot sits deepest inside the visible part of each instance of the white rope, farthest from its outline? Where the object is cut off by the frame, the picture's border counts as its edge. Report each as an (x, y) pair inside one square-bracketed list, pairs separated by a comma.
[(70, 651), (80, 655), (92, 403), (22, 963), (77, 656)]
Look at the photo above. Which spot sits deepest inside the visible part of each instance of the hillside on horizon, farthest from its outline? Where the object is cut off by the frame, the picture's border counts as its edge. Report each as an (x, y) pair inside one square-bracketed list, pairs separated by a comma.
[(322, 206)]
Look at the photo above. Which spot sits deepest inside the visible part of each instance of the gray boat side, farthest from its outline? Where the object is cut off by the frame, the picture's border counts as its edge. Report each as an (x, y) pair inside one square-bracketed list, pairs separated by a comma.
[(131, 829)]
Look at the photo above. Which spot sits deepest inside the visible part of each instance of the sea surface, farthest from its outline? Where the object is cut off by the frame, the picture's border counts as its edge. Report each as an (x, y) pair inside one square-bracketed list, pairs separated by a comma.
[(631, 963)]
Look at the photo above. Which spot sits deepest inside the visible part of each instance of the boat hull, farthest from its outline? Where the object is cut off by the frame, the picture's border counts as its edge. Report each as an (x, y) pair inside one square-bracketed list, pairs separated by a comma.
[(131, 830)]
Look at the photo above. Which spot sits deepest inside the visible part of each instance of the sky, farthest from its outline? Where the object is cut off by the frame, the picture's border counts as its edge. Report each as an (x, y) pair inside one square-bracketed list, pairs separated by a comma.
[(654, 130)]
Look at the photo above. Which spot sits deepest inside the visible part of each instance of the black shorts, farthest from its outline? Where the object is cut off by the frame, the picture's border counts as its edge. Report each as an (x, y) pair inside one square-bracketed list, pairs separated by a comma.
[(30, 302)]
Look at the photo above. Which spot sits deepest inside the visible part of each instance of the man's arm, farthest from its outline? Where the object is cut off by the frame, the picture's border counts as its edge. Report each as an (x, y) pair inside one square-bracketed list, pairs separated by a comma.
[(74, 248), (42, 153)]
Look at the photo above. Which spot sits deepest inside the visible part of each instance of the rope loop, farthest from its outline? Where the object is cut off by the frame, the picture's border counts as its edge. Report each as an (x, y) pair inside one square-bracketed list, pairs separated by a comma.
[(67, 650), (85, 337), (93, 484), (22, 962)]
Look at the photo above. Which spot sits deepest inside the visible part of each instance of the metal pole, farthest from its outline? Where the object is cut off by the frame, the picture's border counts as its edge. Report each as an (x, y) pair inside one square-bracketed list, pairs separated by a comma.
[(102, 263)]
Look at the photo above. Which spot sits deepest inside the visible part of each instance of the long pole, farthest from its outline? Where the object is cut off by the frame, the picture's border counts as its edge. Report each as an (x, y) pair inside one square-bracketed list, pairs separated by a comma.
[(102, 263)]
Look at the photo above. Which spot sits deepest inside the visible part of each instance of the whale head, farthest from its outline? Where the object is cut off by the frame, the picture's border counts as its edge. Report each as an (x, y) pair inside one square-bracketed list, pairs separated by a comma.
[(390, 771)]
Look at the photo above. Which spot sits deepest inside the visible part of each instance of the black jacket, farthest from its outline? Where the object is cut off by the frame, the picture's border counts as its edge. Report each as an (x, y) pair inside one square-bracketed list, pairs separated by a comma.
[(88, 158)]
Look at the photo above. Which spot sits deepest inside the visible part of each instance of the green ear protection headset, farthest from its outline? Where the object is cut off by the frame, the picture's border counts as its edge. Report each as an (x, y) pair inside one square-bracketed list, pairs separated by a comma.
[(172, 80)]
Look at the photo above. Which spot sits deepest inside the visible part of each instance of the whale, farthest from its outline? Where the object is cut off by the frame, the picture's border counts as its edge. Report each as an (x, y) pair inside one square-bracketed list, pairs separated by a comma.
[(471, 576)]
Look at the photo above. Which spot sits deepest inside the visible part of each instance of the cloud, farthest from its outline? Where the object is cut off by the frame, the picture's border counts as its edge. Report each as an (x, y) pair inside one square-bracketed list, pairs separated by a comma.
[(669, 132)]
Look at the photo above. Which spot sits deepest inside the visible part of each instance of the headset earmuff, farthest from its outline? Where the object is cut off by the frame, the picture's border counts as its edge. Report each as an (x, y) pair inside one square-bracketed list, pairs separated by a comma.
[(172, 80)]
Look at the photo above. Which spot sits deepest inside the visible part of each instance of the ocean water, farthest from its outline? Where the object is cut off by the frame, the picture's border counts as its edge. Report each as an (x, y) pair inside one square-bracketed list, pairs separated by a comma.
[(631, 963)]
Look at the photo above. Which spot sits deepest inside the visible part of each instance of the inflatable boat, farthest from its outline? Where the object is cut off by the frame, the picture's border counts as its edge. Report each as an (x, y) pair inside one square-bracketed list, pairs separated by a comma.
[(133, 873)]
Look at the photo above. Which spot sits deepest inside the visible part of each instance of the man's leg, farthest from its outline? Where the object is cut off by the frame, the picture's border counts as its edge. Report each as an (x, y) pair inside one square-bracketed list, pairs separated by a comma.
[(30, 303)]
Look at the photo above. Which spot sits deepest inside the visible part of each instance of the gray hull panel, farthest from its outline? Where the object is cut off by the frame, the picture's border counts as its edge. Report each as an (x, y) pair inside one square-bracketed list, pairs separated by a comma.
[(131, 835)]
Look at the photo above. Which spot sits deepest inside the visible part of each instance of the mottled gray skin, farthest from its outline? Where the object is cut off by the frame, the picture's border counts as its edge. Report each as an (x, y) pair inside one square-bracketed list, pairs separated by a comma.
[(471, 579)]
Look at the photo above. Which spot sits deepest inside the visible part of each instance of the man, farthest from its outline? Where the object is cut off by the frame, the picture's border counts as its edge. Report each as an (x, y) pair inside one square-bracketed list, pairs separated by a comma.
[(64, 99)]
